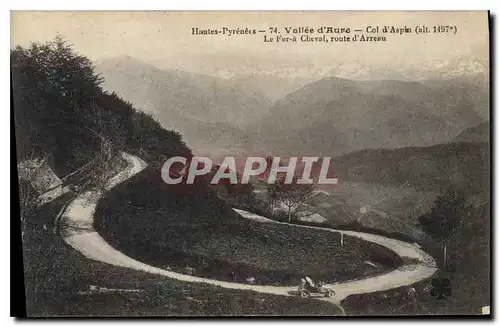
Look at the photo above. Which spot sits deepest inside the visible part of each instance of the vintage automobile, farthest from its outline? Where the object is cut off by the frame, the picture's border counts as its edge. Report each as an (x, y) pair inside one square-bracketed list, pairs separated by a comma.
[(307, 291)]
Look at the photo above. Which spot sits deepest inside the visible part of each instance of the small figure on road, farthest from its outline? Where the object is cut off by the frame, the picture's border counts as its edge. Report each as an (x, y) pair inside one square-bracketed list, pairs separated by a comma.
[(251, 280), (189, 270)]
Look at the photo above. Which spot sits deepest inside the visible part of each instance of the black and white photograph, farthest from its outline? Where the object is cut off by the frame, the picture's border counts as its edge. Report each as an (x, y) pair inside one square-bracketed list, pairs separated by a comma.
[(257, 163)]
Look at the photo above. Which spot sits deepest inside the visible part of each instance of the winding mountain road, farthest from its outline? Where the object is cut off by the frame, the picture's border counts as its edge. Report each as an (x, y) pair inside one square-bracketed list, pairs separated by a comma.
[(403, 276), (77, 230)]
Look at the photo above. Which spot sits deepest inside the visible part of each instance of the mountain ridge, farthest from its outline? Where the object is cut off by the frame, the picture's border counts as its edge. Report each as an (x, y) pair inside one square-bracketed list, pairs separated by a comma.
[(206, 110), (335, 115)]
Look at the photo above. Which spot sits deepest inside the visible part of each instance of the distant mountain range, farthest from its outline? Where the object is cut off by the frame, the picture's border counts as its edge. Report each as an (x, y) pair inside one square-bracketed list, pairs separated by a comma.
[(192, 95), (206, 110), (319, 116), (334, 116), (278, 78), (459, 67)]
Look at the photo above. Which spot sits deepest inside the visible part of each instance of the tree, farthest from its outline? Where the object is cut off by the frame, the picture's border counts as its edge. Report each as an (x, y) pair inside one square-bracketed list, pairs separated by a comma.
[(445, 216), (62, 112), (291, 195), (54, 90), (242, 193)]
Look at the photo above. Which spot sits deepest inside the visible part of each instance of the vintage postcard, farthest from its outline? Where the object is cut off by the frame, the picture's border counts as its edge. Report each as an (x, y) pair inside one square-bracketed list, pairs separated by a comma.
[(301, 163)]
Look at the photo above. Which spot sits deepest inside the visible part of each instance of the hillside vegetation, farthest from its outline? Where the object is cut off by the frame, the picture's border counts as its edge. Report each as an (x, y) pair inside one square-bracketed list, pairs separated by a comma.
[(63, 116), (465, 165), (61, 111), (181, 226), (59, 281), (467, 268)]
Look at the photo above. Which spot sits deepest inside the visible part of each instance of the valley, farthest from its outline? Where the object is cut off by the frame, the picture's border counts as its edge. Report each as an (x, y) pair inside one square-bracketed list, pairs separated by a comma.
[(411, 159)]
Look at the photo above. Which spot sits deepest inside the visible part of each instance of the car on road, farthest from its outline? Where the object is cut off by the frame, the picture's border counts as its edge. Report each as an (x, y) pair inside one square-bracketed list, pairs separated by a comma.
[(308, 289)]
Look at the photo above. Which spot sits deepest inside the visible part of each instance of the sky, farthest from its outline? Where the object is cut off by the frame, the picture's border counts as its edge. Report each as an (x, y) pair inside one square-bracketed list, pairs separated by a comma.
[(164, 38)]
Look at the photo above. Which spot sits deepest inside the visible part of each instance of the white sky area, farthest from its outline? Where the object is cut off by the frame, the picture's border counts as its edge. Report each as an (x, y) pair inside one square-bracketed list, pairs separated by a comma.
[(164, 38)]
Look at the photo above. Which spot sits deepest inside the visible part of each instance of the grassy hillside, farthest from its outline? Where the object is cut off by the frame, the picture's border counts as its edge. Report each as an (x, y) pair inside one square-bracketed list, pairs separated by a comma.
[(61, 282), (465, 165), (62, 115), (468, 269), (396, 186), (179, 226), (461, 222)]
